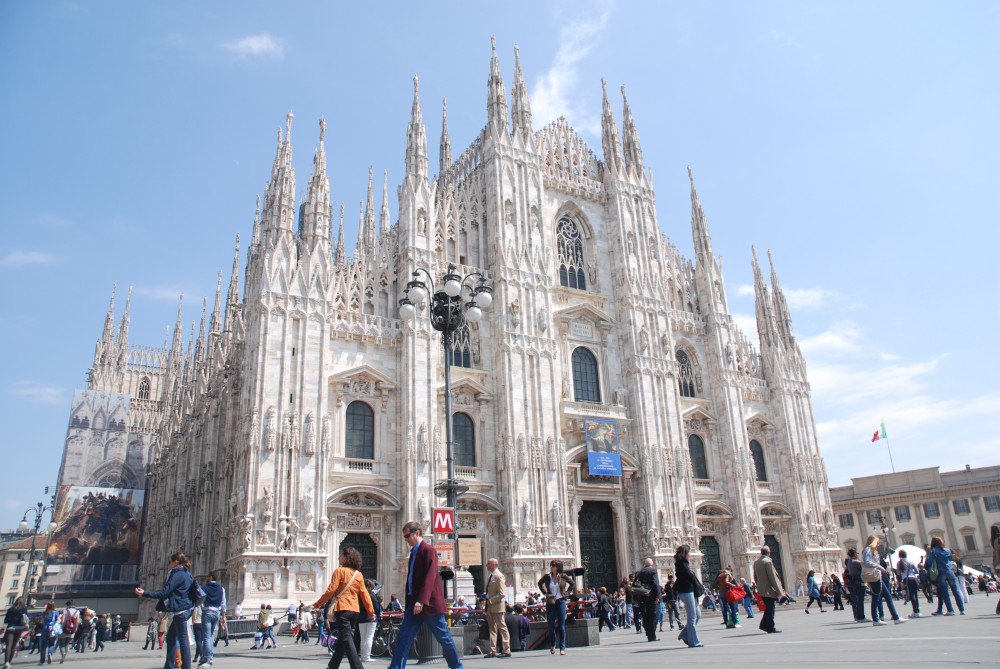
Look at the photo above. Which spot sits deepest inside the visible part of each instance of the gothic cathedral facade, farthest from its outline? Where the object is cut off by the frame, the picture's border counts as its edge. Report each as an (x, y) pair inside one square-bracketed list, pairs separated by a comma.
[(308, 415)]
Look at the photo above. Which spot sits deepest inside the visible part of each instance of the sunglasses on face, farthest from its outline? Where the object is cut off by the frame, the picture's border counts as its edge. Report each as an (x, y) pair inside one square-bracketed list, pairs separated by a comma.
[(406, 535)]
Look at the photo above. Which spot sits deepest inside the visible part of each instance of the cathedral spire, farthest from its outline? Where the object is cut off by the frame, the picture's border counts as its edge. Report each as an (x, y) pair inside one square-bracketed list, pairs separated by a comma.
[(699, 226), (496, 100), (445, 155), (215, 324), (255, 236), (175, 347), (630, 138), (316, 214), (764, 309), (369, 223), (200, 347), (341, 256), (520, 105), (610, 142), (782, 317), (384, 214), (233, 296), (416, 137), (279, 200), (359, 245), (108, 336)]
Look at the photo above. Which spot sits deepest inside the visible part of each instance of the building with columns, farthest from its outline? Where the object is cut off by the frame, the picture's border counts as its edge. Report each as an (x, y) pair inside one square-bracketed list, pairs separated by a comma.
[(960, 507), (306, 415)]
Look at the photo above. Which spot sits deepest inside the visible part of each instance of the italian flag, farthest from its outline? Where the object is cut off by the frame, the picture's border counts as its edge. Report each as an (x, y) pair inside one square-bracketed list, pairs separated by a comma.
[(880, 433)]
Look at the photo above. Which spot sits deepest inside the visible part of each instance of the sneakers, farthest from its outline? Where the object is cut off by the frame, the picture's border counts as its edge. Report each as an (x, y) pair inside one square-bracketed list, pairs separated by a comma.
[(899, 621), (879, 623), (937, 613), (950, 613), (916, 615)]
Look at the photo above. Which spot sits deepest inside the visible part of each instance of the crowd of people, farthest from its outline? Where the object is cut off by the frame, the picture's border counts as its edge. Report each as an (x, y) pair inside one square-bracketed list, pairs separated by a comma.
[(70, 629)]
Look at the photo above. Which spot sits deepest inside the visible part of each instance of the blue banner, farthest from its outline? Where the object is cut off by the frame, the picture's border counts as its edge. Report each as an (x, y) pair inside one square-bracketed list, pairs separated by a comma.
[(603, 456)]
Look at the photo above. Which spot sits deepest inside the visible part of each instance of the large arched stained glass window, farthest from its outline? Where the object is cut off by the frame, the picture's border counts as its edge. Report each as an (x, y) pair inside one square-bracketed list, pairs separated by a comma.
[(586, 381), (465, 440), (699, 464), (570, 251), (686, 380), (757, 453), (144, 388), (360, 438)]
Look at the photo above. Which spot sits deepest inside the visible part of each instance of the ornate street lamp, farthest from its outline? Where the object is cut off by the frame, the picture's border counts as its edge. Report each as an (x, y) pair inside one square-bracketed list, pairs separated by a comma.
[(456, 301), (38, 510)]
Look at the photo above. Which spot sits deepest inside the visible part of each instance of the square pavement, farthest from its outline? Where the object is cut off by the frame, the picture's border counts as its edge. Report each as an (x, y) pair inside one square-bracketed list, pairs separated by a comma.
[(830, 638)]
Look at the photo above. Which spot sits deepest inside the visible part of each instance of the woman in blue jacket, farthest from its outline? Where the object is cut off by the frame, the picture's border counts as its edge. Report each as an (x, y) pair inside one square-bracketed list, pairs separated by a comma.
[(946, 577), (174, 598), (814, 595)]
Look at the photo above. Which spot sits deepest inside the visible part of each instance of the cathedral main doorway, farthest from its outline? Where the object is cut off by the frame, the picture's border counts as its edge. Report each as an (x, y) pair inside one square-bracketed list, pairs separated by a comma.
[(364, 545), (598, 551), (771, 542), (711, 562)]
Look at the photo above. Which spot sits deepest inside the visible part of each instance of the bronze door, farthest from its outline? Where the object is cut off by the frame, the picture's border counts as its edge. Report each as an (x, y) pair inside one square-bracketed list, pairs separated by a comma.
[(369, 553), (598, 552)]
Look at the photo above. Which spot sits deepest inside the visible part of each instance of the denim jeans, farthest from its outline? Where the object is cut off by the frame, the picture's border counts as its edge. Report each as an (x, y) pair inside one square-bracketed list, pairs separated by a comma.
[(880, 592), (556, 615), (748, 605), (177, 637), (408, 632), (945, 581), (692, 614), (209, 623)]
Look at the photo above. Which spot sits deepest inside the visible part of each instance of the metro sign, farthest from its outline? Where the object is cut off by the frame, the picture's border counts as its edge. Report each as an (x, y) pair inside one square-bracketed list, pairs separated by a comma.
[(444, 521)]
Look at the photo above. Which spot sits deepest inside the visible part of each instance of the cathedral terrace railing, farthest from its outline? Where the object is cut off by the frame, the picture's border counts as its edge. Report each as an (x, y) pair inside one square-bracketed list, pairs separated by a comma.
[(703, 484), (465, 472), (360, 466)]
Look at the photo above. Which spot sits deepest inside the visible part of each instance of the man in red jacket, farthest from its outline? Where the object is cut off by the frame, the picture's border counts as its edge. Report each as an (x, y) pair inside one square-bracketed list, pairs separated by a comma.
[(424, 601)]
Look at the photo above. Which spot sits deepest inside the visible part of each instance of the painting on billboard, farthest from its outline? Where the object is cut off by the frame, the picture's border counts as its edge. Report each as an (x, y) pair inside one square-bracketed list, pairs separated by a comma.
[(603, 456), (97, 526)]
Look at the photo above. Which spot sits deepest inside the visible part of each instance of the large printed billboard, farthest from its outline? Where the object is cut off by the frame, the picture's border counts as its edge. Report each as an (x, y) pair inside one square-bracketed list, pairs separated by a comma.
[(603, 455), (97, 526)]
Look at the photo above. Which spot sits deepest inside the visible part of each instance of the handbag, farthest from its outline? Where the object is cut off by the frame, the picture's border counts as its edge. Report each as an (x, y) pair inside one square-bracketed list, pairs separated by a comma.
[(640, 591), (870, 574), (932, 570), (734, 595), (699, 589)]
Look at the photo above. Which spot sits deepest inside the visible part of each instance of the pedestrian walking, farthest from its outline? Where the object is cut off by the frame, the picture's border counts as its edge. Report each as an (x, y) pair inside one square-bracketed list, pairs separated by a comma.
[(689, 590), (910, 576), (269, 623), (213, 609), (837, 590), (648, 579), (175, 598), (496, 592), (670, 602), (151, 630), (768, 587), (748, 597), (940, 561), (425, 603), (367, 630), (16, 625), (558, 588), (100, 629), (814, 594), (346, 593), (877, 578), (51, 629), (856, 588), (604, 608)]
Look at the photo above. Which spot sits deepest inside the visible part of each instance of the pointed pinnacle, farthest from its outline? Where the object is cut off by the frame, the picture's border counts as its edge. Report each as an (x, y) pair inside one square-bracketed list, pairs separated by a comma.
[(322, 129)]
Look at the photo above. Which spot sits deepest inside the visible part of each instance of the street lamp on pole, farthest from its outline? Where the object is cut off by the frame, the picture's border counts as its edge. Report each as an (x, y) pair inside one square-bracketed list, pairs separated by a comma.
[(39, 510), (454, 303)]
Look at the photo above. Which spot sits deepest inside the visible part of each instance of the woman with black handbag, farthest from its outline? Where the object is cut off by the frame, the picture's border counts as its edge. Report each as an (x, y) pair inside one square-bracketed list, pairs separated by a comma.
[(557, 588), (689, 589), (16, 622)]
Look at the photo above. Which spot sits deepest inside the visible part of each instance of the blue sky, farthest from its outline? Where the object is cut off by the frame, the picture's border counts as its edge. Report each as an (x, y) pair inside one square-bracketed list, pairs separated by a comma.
[(857, 141)]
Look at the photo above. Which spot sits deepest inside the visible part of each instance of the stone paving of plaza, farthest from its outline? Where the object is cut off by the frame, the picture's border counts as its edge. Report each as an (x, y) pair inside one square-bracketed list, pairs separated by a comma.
[(806, 641)]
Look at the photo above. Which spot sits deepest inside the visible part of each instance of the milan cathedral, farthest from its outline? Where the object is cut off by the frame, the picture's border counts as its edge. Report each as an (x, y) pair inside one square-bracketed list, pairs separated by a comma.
[(305, 414)]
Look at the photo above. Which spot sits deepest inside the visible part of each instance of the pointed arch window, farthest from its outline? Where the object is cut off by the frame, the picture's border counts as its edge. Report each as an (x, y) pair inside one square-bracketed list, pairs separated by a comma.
[(360, 437), (699, 464), (757, 453), (586, 380), (144, 388), (461, 348), (569, 243), (465, 440), (686, 379)]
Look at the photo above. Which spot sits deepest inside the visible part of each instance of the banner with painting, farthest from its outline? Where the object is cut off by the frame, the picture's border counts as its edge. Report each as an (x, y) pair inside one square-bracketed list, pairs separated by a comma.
[(603, 454), (98, 526)]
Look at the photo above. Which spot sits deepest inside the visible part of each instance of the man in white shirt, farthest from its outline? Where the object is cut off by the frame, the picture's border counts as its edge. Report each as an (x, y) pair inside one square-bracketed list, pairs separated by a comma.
[(293, 610)]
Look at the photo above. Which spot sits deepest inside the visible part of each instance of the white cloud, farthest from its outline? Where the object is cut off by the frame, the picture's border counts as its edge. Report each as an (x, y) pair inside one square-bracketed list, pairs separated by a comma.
[(747, 323), (744, 290), (162, 293), (553, 91), (841, 338), (38, 392), (22, 258), (263, 45), (12, 504), (808, 298)]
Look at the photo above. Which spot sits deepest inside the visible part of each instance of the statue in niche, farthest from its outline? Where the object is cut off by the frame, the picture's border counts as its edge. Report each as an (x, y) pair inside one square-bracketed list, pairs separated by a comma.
[(271, 432), (641, 519), (529, 522), (324, 523), (422, 442), (557, 516), (515, 314), (643, 339), (325, 435), (565, 388), (543, 320), (411, 449), (422, 223), (308, 499), (620, 396), (246, 525), (268, 504), (309, 447), (424, 512), (283, 536), (254, 430)]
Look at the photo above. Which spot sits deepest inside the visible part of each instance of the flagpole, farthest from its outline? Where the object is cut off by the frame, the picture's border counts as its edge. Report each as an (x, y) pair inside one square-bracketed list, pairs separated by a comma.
[(886, 433)]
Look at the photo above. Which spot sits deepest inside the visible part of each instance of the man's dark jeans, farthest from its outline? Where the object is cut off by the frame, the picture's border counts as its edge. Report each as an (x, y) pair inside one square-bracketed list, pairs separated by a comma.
[(767, 620)]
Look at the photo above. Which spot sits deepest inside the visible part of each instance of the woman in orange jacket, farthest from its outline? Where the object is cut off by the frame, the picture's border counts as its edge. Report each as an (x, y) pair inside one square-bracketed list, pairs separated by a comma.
[(347, 590)]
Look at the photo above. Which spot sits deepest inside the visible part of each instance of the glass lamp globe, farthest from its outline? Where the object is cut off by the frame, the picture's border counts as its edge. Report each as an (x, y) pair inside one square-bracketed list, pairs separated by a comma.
[(417, 294), (474, 314), (407, 311), (52, 527), (452, 287), (484, 299), (22, 526)]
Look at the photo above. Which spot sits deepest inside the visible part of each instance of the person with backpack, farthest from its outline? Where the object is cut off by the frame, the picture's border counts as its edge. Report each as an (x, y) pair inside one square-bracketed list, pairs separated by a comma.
[(941, 572), (213, 609), (175, 598), (910, 576), (69, 623), (51, 629)]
